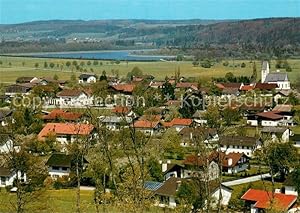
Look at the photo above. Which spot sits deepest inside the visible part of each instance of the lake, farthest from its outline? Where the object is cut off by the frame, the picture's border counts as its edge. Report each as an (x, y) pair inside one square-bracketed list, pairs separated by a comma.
[(129, 55)]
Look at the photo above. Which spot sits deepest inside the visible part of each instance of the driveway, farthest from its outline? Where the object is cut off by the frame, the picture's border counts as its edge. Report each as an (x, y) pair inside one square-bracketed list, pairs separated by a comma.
[(246, 180)]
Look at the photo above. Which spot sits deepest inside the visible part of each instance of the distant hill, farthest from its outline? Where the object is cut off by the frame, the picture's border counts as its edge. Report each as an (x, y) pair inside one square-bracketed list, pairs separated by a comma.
[(271, 32)]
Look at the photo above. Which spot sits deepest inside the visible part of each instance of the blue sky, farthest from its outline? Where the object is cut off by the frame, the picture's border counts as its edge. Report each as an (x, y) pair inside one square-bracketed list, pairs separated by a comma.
[(17, 11)]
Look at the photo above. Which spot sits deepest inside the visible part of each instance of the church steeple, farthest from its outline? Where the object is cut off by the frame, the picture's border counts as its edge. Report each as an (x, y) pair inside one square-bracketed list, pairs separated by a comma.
[(264, 71)]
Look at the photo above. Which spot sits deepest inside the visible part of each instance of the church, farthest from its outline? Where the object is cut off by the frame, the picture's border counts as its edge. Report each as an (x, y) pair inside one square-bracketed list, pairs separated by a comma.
[(279, 78)]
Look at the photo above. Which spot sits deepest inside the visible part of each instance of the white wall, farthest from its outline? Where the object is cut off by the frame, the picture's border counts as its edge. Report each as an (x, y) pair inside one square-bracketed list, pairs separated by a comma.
[(238, 149), (269, 123), (252, 122), (58, 173), (226, 195)]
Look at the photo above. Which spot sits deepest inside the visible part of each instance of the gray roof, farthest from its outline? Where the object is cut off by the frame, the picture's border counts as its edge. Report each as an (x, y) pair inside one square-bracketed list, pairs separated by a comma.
[(115, 119), (86, 75), (274, 129), (4, 172), (276, 76)]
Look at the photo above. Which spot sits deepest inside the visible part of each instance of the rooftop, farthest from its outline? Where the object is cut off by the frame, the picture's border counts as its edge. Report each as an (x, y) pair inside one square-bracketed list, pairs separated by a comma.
[(263, 199)]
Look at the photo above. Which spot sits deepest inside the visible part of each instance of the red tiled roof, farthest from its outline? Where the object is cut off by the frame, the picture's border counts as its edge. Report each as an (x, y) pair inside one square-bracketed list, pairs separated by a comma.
[(61, 114), (235, 157), (124, 87), (228, 85), (145, 124), (265, 86), (181, 121), (270, 115), (263, 199), (150, 118), (198, 160), (187, 85), (247, 88), (120, 109), (65, 129)]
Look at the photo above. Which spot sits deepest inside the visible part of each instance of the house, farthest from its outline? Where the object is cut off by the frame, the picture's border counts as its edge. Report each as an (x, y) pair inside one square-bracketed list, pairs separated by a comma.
[(239, 144), (199, 117), (62, 115), (186, 86), (277, 133), (156, 84), (115, 122), (279, 78), (166, 193), (260, 200), (233, 163), (18, 89), (25, 79), (65, 132), (286, 111), (7, 145), (270, 118), (207, 135), (122, 111), (281, 96), (87, 78), (289, 186), (147, 127), (172, 170), (73, 98), (178, 123), (60, 165), (7, 177), (249, 112), (5, 117), (125, 89), (265, 87), (200, 166)]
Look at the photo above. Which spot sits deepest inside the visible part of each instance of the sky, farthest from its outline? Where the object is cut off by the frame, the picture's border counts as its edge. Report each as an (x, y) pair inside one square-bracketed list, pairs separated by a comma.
[(19, 11)]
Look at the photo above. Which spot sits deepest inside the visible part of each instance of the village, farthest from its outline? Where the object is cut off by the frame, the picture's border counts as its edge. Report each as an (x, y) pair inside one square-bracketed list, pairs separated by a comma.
[(175, 134)]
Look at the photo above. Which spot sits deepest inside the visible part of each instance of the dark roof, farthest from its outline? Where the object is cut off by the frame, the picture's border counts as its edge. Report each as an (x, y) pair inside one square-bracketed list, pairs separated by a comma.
[(86, 75), (169, 187), (59, 159), (274, 129), (238, 140), (172, 167), (24, 79), (276, 76), (272, 115), (204, 132), (4, 172), (5, 114), (265, 86)]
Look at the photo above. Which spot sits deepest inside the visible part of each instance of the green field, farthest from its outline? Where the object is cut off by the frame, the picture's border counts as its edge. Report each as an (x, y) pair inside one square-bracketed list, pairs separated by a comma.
[(13, 67), (59, 201)]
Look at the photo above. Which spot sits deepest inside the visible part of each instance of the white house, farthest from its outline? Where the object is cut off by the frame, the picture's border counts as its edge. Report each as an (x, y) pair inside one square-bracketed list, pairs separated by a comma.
[(7, 177), (115, 122), (59, 165), (72, 98), (166, 193), (233, 163), (87, 78), (239, 144), (279, 78), (147, 127)]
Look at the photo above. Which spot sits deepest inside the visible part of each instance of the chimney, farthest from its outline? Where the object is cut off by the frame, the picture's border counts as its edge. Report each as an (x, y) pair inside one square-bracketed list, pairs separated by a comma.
[(229, 161), (164, 167)]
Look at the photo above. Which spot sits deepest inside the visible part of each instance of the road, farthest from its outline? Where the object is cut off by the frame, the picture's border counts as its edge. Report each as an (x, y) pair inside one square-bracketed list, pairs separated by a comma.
[(246, 180)]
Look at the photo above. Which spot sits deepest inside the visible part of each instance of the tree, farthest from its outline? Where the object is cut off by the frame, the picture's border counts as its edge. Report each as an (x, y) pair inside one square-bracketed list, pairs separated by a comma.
[(243, 65), (55, 77), (89, 63), (36, 65), (230, 115), (103, 77), (168, 91), (213, 117), (281, 157), (195, 63), (229, 77), (45, 64), (68, 64), (95, 63), (190, 104), (52, 65), (254, 72), (136, 71), (10, 64)]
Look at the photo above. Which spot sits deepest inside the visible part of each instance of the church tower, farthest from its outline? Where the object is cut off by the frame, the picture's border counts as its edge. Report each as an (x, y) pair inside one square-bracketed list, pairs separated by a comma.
[(264, 71)]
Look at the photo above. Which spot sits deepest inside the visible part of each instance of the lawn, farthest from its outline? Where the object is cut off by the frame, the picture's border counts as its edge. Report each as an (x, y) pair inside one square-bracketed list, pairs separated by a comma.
[(13, 67), (58, 201)]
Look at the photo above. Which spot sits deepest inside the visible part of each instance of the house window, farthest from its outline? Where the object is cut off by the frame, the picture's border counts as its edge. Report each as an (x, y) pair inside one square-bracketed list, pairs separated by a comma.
[(64, 168), (55, 167), (3, 180)]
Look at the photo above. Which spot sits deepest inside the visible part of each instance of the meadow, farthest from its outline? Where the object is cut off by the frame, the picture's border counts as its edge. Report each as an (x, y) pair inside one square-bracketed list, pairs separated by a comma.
[(14, 67)]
